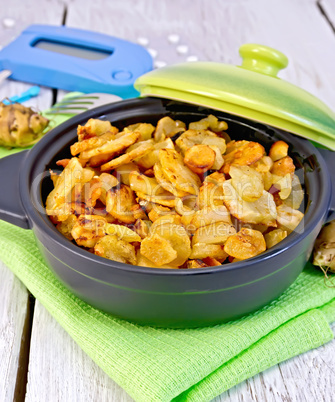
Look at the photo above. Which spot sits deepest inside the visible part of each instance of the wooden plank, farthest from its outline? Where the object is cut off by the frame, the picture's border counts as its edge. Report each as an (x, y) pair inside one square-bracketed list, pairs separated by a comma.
[(60, 371), (13, 315), (328, 8)]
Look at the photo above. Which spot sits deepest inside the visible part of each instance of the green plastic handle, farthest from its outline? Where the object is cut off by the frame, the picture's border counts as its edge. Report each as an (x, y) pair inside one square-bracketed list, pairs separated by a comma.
[(262, 59)]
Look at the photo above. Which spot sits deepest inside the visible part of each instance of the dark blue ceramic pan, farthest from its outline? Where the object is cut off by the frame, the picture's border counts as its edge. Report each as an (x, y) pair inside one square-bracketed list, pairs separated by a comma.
[(163, 297)]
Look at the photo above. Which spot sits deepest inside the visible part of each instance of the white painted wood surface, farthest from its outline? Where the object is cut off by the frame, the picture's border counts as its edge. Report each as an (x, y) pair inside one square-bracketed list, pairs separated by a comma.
[(13, 313), (328, 7), (60, 371), (212, 30)]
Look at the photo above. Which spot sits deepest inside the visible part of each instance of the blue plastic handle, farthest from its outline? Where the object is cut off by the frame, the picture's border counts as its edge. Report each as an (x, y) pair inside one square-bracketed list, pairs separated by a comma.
[(30, 93), (115, 73)]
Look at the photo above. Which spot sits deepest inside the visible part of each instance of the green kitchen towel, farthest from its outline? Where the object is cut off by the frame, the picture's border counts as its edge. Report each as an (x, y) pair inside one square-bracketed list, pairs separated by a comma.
[(184, 365)]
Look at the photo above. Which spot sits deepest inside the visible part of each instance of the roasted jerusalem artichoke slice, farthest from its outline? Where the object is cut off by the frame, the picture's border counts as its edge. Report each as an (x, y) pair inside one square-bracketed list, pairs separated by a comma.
[(158, 250), (245, 244), (177, 173), (88, 229), (242, 153), (71, 176), (263, 210), (119, 203), (179, 240), (247, 182), (199, 158), (115, 249)]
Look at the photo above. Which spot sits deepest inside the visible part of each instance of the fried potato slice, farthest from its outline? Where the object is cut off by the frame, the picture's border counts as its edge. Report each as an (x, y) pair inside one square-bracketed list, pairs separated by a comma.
[(166, 219), (274, 237), (66, 226), (115, 249), (216, 178), (138, 212), (288, 218), (93, 142), (215, 233), (148, 185), (122, 172), (247, 182), (263, 210), (177, 173), (219, 161), (145, 129), (296, 197), (147, 161), (165, 198), (210, 195), (63, 162), (284, 184), (142, 228), (211, 122), (179, 240), (112, 147), (165, 183), (91, 192), (243, 153), (157, 211), (194, 137), (107, 181), (263, 165), (208, 215), (200, 158), (88, 229), (94, 128), (278, 150), (143, 148), (203, 250), (245, 244), (119, 203), (122, 232), (73, 174), (145, 262), (186, 206), (158, 250), (167, 127), (283, 166)]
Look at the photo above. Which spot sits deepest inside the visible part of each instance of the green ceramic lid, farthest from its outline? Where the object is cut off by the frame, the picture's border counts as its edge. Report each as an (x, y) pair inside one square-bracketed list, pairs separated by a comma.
[(251, 90)]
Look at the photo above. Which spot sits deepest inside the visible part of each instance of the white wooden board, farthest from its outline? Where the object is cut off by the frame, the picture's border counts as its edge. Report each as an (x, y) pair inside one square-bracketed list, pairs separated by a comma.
[(13, 313), (60, 371)]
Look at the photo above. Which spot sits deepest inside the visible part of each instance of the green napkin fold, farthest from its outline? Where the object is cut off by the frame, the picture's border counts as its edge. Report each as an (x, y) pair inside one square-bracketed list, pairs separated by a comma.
[(184, 365)]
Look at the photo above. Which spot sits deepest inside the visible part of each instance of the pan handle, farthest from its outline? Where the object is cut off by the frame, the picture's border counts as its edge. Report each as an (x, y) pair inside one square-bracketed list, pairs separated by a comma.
[(11, 209), (329, 157)]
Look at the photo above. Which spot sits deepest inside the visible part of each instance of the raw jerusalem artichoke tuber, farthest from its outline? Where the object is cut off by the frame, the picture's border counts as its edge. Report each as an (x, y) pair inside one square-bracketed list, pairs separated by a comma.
[(20, 126), (324, 248)]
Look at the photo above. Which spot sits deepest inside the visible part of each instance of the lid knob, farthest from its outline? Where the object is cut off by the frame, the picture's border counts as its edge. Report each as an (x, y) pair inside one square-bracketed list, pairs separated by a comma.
[(262, 59)]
